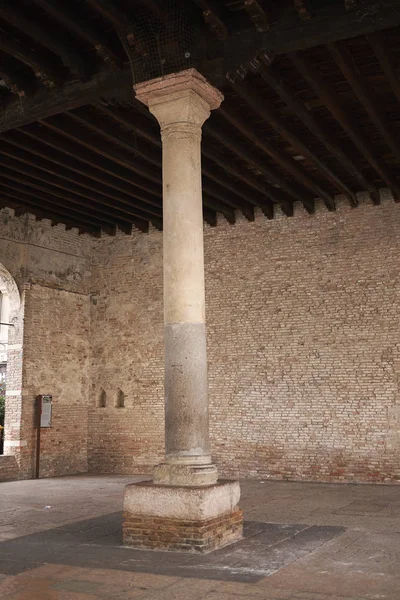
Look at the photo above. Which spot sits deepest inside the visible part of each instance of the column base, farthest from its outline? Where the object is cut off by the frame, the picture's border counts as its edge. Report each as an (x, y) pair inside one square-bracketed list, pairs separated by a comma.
[(182, 519), (189, 475)]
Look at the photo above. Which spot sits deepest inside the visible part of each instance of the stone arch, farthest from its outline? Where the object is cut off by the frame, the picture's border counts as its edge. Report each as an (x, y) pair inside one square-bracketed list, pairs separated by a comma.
[(12, 347)]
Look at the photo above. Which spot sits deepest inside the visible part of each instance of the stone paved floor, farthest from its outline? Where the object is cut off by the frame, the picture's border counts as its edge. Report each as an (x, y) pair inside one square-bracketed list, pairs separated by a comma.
[(304, 542)]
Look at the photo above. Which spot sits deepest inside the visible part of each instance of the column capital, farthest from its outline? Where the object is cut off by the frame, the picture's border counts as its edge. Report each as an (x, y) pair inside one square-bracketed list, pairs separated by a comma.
[(179, 98)]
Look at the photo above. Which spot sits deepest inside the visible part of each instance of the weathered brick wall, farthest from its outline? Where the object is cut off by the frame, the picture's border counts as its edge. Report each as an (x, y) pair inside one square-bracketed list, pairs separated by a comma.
[(303, 342), (49, 350)]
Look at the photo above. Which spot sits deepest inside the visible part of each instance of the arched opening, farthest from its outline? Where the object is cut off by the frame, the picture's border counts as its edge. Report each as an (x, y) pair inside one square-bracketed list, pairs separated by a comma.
[(120, 399), (10, 361), (102, 399)]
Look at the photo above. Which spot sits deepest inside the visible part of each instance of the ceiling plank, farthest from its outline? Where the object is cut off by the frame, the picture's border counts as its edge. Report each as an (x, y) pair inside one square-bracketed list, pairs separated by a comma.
[(298, 109), (47, 103), (50, 210), (355, 79), (251, 159), (65, 127), (378, 45), (67, 17), (41, 66), (100, 205), (120, 206), (330, 99), (88, 164), (15, 16), (283, 160), (266, 112)]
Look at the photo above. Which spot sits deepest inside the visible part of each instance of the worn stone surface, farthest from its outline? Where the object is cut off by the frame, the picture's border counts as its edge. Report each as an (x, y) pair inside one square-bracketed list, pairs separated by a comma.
[(195, 504), (303, 555)]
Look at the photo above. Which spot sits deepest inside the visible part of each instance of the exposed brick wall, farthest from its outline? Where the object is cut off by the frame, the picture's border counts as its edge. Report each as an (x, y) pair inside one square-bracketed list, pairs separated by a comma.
[(303, 347), (303, 322), (49, 349)]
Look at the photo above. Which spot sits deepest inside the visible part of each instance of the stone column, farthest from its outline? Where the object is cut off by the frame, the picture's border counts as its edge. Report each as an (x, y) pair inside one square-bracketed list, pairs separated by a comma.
[(185, 507), (181, 102)]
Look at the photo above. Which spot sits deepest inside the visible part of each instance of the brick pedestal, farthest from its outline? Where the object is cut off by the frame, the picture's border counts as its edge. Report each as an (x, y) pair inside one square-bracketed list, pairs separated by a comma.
[(182, 519), (180, 535)]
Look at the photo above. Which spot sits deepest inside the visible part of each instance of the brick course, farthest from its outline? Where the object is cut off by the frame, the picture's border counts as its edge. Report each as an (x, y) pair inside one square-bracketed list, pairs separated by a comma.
[(303, 347), (178, 535), (302, 325)]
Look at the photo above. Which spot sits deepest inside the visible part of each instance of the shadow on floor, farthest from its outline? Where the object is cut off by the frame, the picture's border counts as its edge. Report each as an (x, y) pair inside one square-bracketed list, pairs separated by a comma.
[(97, 543)]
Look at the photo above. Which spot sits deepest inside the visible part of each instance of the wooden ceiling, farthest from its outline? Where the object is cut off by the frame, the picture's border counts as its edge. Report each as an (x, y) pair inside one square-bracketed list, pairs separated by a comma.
[(300, 120)]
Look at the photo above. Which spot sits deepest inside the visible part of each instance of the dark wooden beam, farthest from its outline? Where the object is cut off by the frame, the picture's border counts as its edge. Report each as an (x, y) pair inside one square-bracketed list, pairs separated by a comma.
[(43, 69), (303, 9), (109, 11), (67, 17), (262, 107), (365, 96), (121, 206), (214, 18), (48, 210), (63, 153), (329, 24), (65, 127), (16, 17), (98, 204), (251, 159), (330, 99), (210, 216), (273, 79), (116, 136), (257, 13), (49, 202), (39, 165), (382, 53), (47, 103), (14, 82), (282, 159)]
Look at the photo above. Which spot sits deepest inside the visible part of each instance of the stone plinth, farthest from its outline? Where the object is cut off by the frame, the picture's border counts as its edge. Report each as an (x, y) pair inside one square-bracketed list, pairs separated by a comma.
[(182, 519)]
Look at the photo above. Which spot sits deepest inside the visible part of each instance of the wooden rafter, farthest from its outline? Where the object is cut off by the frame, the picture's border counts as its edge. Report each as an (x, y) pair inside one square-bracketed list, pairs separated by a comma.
[(382, 53), (109, 11), (22, 187), (329, 98), (213, 17), (71, 59), (24, 204), (41, 67), (49, 147), (251, 159), (284, 91), (303, 9), (121, 205), (67, 17), (79, 197), (265, 110), (258, 14), (280, 158), (65, 127), (365, 96), (47, 103)]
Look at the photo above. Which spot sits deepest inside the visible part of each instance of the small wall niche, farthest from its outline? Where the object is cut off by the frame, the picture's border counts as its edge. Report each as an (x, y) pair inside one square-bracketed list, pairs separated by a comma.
[(120, 399), (102, 399)]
